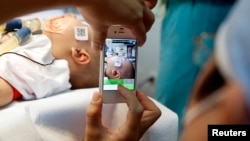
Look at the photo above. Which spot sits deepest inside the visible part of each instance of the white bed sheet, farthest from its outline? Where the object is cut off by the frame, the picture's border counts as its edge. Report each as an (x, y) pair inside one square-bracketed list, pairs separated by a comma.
[(62, 118)]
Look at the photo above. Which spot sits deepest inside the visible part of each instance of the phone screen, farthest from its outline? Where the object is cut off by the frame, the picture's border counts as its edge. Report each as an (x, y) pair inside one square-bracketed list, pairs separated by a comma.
[(120, 56)]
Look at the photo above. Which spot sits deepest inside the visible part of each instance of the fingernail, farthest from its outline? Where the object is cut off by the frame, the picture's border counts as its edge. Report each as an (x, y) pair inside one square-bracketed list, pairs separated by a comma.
[(96, 97)]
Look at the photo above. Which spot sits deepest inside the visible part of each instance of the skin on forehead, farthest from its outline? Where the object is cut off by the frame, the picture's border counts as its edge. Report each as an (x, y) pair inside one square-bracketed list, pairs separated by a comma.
[(62, 28), (62, 24)]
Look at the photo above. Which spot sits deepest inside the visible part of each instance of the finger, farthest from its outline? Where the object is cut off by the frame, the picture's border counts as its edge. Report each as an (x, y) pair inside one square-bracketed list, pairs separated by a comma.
[(140, 30), (140, 33), (99, 36), (150, 3), (151, 111), (93, 119), (146, 102), (148, 18), (135, 110)]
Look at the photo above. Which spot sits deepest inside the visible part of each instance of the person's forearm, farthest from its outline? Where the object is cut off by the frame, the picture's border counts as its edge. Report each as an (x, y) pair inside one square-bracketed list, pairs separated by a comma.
[(12, 9)]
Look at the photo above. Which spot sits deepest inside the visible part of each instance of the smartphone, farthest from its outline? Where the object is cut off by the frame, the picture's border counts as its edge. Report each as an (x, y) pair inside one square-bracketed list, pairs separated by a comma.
[(118, 61)]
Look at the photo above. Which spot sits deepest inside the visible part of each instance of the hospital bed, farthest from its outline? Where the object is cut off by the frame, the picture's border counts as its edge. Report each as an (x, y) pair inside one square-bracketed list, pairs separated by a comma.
[(62, 118)]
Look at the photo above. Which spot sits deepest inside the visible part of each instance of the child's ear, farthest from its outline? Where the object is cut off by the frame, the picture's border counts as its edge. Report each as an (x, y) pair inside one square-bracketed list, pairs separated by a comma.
[(80, 56), (116, 74)]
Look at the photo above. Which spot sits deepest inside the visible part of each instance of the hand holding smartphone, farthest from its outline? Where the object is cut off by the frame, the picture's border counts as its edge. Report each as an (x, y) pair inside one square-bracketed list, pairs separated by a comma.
[(118, 63)]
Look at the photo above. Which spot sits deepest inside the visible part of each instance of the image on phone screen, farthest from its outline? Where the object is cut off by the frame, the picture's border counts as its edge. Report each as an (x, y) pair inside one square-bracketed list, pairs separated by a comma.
[(119, 63)]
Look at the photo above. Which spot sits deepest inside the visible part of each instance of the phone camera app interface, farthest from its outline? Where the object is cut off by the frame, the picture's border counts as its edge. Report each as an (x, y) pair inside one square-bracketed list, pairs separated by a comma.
[(119, 63)]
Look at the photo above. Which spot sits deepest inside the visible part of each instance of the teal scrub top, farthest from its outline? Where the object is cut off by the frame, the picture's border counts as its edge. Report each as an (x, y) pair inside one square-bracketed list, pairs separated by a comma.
[(184, 20)]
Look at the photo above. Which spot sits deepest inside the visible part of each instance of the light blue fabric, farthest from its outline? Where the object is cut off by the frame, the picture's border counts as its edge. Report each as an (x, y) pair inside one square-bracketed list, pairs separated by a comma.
[(235, 35), (177, 72)]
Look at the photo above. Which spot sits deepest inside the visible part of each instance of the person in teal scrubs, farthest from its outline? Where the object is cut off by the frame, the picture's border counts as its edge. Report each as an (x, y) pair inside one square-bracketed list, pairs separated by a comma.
[(184, 20)]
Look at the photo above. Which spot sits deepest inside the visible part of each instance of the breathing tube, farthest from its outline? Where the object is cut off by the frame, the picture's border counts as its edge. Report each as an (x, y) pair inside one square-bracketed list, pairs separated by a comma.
[(34, 24), (15, 40)]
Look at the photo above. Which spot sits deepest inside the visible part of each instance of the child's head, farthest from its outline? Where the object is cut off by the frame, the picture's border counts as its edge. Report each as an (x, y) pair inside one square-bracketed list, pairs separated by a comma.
[(71, 40), (119, 68)]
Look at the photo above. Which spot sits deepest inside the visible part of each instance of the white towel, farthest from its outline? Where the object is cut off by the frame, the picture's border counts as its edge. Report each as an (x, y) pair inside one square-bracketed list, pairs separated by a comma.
[(62, 118)]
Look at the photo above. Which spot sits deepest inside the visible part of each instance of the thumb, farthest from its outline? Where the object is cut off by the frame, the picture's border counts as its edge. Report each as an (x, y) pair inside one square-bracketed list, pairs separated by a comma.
[(99, 37), (93, 119), (150, 3)]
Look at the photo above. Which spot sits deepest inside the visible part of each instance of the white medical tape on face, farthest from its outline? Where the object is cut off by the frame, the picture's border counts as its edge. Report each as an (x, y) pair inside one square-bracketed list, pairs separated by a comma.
[(81, 33), (118, 63)]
